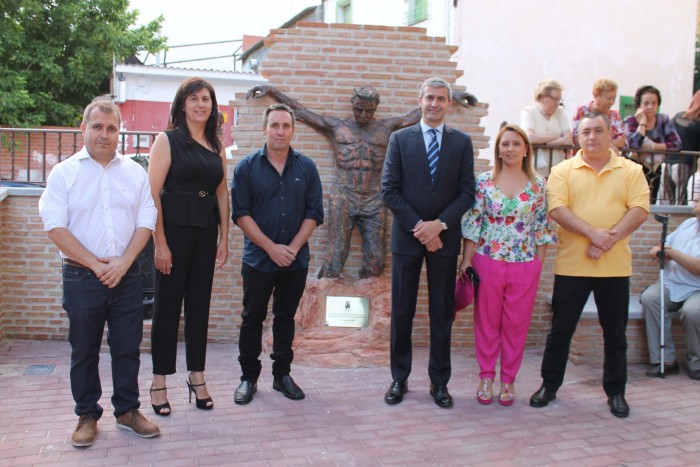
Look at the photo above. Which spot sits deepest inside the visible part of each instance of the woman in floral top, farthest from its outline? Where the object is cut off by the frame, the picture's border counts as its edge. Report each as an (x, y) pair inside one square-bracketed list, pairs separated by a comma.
[(505, 240)]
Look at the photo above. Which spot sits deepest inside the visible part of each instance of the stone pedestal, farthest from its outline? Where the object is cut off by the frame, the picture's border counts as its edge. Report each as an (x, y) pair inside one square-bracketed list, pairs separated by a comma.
[(316, 344)]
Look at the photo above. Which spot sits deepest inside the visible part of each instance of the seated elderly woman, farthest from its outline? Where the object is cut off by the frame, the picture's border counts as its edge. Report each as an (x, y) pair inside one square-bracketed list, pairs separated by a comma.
[(650, 130), (545, 123), (604, 95)]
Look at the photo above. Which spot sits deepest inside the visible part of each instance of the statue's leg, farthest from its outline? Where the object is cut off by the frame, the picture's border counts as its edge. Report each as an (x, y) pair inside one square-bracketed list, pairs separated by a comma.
[(340, 225), (372, 225)]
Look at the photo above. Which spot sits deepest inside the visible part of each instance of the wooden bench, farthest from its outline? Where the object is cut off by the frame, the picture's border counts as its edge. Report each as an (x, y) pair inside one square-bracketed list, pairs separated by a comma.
[(587, 343)]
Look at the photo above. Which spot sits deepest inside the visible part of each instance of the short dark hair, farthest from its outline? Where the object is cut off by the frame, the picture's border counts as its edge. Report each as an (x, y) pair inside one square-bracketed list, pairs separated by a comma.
[(273, 107), (596, 114), (646, 89)]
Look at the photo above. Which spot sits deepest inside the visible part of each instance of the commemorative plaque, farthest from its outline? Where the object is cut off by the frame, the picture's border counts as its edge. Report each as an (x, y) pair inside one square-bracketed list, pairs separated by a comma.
[(347, 312)]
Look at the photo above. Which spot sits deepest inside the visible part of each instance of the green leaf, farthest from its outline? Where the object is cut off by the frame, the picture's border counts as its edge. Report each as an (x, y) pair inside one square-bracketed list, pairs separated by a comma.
[(56, 55)]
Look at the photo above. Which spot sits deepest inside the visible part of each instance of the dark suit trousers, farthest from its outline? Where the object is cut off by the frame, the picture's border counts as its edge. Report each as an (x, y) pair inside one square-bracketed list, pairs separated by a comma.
[(611, 296), (405, 279), (191, 278), (286, 289)]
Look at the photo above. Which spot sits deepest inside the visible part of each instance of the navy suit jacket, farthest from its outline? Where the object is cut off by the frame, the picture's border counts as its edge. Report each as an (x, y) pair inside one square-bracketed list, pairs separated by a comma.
[(410, 194)]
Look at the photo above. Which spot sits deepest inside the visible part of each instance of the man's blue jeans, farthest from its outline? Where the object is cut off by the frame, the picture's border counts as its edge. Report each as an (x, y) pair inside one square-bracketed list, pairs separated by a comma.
[(90, 305)]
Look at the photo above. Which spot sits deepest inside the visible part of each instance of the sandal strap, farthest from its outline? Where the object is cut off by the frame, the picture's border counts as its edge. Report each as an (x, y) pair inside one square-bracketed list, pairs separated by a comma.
[(506, 393), (196, 385), (484, 392)]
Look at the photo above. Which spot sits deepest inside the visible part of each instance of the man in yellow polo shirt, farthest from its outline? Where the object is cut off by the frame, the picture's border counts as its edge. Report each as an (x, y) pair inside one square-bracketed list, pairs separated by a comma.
[(598, 199)]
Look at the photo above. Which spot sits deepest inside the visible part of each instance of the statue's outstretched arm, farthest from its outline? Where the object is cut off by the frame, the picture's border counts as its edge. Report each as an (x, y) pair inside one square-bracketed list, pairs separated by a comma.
[(316, 121)]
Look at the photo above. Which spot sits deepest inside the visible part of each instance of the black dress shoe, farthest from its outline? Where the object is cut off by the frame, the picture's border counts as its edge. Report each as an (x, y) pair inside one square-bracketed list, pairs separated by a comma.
[(654, 370), (694, 374), (288, 387), (441, 396), (395, 393), (542, 397), (618, 406), (245, 391)]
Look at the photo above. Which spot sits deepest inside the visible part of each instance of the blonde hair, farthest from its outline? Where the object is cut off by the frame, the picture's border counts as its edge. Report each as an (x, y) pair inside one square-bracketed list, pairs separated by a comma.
[(602, 85), (527, 160), (545, 87)]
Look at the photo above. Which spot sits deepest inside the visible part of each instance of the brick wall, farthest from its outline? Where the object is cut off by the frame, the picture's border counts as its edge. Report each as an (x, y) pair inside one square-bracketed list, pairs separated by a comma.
[(300, 62), (30, 284), (319, 65), (29, 272)]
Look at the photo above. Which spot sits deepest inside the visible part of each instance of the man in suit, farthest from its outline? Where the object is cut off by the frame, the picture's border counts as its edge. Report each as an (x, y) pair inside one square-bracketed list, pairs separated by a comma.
[(428, 184), (359, 147)]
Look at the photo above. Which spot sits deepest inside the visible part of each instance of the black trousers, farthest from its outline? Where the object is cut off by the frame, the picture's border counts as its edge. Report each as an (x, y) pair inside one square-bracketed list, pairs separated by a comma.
[(611, 296), (190, 280), (405, 279), (286, 289)]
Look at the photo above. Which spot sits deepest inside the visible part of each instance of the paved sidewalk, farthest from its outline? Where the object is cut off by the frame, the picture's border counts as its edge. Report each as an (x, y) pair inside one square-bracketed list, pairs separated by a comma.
[(344, 420)]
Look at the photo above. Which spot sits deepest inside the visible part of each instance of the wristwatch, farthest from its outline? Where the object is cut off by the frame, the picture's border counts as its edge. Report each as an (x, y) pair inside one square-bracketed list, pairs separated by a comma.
[(443, 224)]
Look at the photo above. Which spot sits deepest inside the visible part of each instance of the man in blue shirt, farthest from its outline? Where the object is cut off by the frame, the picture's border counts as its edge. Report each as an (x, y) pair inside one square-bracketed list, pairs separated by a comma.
[(681, 293), (277, 201)]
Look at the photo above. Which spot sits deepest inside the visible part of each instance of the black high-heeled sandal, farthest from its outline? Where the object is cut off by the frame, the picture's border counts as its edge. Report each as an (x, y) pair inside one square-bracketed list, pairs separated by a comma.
[(202, 404), (158, 409)]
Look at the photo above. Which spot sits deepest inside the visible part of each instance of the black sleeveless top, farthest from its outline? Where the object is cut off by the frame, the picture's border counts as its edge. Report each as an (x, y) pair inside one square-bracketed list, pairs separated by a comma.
[(189, 192)]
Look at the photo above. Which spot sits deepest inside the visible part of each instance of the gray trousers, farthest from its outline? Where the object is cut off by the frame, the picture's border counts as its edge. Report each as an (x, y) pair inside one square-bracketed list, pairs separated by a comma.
[(690, 317)]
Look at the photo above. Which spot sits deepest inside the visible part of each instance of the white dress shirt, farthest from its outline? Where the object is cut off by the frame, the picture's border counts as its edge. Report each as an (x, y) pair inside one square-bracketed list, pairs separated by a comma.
[(100, 206), (680, 282)]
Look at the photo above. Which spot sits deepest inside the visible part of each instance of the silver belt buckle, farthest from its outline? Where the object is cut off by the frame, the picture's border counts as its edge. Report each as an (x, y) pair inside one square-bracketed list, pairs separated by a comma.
[(202, 194)]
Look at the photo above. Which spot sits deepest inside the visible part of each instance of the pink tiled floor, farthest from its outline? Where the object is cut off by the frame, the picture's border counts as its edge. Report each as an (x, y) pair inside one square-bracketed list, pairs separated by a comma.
[(344, 420)]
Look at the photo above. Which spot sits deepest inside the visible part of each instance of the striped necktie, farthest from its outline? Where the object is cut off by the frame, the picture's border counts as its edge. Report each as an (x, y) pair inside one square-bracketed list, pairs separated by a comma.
[(433, 152)]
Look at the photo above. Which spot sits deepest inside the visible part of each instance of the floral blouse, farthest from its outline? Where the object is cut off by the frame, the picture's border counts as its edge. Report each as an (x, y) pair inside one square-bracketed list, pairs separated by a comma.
[(508, 229)]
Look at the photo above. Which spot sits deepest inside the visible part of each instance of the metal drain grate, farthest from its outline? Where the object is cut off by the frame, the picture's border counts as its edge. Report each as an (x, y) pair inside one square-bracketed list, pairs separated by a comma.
[(39, 369)]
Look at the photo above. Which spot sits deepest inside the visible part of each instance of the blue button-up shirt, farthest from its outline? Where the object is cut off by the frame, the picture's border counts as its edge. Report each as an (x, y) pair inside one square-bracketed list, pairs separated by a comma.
[(277, 203)]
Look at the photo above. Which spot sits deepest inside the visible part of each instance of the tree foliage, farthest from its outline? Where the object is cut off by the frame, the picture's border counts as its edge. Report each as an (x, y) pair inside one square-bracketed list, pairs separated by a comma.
[(56, 55)]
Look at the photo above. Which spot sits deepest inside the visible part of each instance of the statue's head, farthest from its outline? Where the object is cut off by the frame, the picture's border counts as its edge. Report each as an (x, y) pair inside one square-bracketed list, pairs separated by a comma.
[(365, 100)]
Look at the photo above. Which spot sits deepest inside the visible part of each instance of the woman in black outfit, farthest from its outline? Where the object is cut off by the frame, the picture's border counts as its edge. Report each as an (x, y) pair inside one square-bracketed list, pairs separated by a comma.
[(187, 172)]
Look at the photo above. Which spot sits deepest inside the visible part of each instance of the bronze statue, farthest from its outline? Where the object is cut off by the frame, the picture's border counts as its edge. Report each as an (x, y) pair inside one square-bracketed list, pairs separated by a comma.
[(359, 146)]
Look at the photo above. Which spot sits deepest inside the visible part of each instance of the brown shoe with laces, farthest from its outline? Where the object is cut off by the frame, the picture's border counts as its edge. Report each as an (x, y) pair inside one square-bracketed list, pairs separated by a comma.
[(85, 433), (138, 424)]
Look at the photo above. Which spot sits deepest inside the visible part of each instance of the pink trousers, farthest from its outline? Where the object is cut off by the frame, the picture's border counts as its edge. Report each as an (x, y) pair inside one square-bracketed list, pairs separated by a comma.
[(502, 312)]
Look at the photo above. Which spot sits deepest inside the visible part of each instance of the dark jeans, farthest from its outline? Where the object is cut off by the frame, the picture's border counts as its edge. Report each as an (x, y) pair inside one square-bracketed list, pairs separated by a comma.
[(90, 305), (611, 296), (286, 289)]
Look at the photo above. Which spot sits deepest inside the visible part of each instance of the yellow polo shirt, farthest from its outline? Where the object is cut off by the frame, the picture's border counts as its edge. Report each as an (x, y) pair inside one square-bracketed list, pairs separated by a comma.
[(600, 199)]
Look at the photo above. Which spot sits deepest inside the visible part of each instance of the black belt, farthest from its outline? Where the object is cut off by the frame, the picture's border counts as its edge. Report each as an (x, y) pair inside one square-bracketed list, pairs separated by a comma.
[(201, 194), (73, 264)]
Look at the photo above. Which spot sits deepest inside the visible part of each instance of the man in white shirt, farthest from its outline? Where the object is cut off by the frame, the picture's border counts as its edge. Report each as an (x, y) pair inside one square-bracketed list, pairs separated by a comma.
[(681, 293), (98, 210)]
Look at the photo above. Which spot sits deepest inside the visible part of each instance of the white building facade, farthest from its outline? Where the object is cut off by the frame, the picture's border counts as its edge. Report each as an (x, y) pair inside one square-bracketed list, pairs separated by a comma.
[(507, 46)]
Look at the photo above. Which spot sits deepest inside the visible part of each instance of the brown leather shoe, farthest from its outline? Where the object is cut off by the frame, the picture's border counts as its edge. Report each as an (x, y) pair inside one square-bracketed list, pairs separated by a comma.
[(85, 433), (137, 424)]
